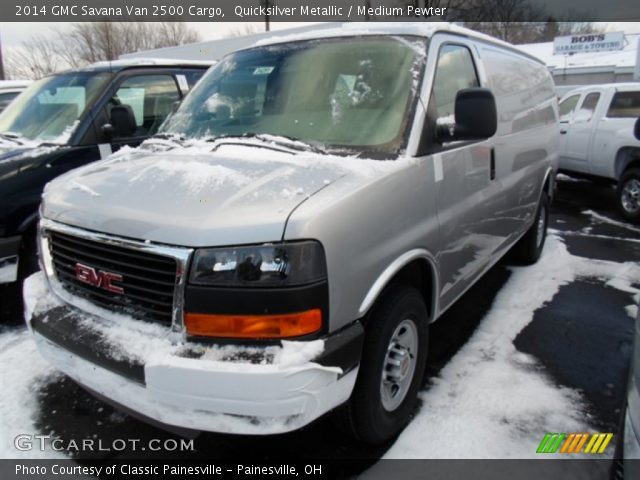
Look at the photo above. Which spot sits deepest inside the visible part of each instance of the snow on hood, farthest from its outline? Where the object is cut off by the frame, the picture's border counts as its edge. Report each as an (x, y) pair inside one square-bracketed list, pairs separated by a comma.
[(193, 196)]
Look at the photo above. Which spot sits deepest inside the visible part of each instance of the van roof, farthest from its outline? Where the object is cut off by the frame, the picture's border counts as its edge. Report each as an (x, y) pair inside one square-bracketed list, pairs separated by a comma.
[(422, 29)]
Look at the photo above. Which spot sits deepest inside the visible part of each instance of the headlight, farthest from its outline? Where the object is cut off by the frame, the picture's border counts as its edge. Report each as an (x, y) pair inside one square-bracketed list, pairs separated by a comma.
[(265, 265)]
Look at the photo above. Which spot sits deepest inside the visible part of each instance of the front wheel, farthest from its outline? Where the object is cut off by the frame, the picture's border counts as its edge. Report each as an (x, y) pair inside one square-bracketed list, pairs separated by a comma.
[(392, 367), (629, 195)]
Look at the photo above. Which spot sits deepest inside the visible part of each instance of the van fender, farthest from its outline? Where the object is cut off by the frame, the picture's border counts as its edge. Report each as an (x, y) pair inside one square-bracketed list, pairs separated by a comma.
[(392, 269), (547, 177)]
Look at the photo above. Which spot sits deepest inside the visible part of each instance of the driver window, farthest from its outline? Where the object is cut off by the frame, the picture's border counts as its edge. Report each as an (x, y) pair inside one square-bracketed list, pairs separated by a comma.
[(567, 106), (151, 97), (588, 107), (455, 71)]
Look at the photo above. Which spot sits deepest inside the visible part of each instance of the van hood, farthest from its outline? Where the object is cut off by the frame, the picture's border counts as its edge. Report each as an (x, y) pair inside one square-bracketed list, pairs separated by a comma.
[(235, 195)]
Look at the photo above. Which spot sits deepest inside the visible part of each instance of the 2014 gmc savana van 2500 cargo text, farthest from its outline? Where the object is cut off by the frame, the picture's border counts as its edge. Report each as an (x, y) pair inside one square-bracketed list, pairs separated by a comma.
[(280, 248)]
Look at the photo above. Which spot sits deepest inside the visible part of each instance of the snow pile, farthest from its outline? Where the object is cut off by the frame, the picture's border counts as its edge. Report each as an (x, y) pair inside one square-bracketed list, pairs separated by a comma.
[(491, 401), (22, 374), (298, 353)]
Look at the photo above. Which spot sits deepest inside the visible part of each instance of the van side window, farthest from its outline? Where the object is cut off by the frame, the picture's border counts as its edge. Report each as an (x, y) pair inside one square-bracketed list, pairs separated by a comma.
[(151, 97), (567, 106), (625, 105), (455, 71), (588, 106)]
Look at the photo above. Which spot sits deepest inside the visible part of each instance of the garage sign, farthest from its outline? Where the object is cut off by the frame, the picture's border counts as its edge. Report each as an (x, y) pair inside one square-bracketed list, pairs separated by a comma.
[(591, 42)]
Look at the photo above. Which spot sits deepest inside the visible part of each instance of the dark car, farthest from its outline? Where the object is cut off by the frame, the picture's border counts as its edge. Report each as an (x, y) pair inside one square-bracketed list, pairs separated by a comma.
[(67, 120)]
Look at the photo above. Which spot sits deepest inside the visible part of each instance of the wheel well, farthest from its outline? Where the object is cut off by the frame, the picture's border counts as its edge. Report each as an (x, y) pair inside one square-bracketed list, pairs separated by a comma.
[(547, 186), (626, 158), (419, 274)]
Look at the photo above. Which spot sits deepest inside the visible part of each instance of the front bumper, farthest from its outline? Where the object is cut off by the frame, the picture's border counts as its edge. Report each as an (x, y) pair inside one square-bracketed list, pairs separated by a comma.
[(9, 249), (146, 370)]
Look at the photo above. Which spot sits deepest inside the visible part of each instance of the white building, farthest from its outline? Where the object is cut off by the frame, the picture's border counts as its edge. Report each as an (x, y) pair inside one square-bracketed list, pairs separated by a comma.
[(588, 68)]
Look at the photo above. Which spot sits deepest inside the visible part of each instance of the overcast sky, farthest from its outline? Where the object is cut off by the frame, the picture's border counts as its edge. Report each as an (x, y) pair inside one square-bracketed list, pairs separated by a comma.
[(13, 33)]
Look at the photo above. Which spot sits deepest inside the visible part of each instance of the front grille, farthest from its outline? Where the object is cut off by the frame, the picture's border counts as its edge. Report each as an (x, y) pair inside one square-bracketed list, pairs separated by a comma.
[(148, 280)]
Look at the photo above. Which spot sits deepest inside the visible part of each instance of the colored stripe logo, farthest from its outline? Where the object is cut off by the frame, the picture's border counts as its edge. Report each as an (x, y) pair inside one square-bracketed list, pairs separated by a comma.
[(595, 443)]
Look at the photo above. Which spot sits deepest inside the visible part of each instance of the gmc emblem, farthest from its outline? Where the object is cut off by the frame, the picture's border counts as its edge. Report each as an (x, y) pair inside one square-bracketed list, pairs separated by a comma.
[(98, 278)]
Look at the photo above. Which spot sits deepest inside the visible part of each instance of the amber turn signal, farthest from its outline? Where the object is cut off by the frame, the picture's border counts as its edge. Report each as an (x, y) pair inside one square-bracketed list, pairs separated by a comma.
[(284, 325)]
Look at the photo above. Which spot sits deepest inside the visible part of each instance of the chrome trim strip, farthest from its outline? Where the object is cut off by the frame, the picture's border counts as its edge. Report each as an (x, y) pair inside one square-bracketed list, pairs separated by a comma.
[(181, 255)]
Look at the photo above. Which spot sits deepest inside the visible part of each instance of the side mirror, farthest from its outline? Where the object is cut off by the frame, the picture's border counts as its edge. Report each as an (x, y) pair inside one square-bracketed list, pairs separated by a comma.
[(636, 129), (476, 116), (123, 122)]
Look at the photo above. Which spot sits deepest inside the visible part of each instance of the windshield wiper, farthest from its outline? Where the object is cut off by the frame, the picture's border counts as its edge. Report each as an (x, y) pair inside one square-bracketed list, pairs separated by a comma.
[(280, 140), (12, 137)]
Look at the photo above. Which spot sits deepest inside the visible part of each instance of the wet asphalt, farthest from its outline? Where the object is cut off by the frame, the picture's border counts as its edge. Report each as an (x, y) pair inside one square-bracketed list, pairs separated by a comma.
[(582, 337)]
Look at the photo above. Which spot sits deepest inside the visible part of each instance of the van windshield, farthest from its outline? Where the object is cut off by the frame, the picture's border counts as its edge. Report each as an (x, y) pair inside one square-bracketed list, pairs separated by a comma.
[(354, 93), (48, 111)]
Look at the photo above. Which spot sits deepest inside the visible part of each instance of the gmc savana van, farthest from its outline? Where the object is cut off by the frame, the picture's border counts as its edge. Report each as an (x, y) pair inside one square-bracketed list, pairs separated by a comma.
[(279, 250)]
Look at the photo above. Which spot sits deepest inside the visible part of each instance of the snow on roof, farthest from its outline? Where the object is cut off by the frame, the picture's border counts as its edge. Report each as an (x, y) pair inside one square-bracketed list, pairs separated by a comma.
[(7, 84), (625, 58), (148, 61)]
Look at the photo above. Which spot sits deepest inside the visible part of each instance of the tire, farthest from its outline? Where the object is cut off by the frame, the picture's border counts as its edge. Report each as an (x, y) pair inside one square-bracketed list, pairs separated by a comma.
[(374, 414), (529, 248), (628, 195), (27, 265)]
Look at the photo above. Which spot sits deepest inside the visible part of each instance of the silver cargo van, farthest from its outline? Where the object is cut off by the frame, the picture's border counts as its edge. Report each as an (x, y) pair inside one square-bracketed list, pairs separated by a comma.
[(279, 250)]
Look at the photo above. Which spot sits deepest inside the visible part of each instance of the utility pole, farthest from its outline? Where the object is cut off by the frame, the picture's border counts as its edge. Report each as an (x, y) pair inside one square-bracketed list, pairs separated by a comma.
[(1, 62), (636, 70), (266, 4)]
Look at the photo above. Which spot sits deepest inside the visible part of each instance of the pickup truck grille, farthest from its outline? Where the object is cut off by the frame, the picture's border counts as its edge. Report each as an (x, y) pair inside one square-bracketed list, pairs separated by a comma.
[(148, 280)]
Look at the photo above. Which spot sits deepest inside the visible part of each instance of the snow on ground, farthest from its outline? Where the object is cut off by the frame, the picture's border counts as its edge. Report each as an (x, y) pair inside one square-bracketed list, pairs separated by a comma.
[(491, 401), (23, 372), (611, 221)]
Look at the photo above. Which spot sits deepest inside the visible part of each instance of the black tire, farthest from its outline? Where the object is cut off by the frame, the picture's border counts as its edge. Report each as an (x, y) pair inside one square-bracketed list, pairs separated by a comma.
[(625, 188), (529, 248), (28, 264), (365, 416)]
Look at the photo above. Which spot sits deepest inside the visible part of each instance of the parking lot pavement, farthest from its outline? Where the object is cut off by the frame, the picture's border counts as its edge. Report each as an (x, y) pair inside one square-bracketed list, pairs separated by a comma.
[(526, 351)]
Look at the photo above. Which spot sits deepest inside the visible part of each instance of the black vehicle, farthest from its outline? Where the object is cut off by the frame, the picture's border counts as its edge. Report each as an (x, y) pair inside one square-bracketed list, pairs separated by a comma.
[(67, 120)]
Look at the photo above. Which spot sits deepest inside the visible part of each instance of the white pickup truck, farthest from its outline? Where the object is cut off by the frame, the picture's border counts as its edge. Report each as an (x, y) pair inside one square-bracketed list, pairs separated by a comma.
[(597, 141)]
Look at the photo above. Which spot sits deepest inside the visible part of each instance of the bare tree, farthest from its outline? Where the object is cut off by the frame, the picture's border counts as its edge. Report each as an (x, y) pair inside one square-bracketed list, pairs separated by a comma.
[(37, 57), (85, 43)]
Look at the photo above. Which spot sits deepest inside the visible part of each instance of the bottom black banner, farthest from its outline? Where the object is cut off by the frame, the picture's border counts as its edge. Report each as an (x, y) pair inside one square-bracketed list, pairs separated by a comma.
[(543, 469)]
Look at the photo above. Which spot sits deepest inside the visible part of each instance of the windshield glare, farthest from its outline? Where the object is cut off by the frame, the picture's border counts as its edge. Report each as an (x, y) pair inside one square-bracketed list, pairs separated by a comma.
[(346, 93), (49, 109)]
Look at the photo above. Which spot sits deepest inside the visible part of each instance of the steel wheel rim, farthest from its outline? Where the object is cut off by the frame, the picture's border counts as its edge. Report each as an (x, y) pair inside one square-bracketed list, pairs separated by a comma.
[(399, 365), (542, 222), (630, 197)]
